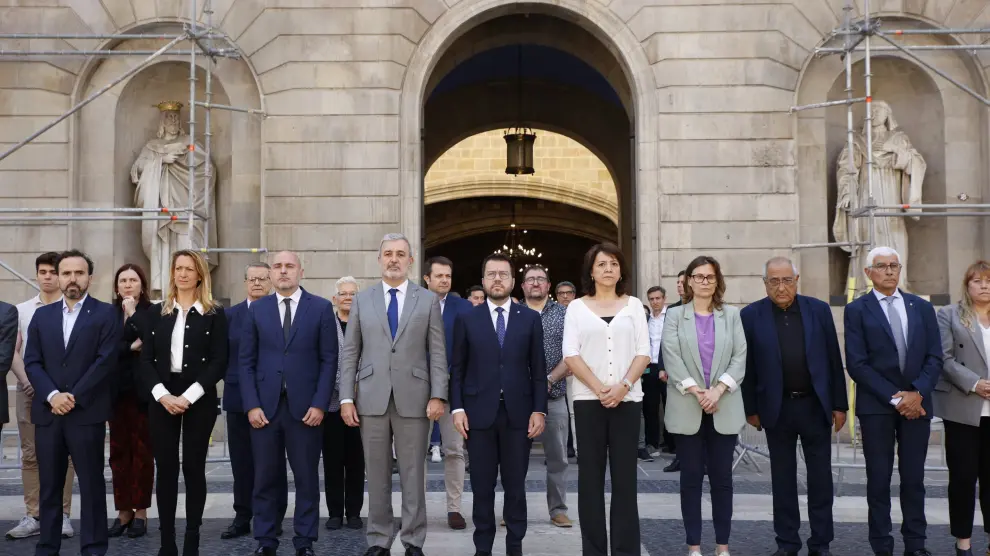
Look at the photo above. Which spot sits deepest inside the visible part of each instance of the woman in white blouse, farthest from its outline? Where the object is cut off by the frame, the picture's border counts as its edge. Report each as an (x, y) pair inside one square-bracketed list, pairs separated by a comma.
[(962, 400), (607, 348), (184, 356), (704, 350)]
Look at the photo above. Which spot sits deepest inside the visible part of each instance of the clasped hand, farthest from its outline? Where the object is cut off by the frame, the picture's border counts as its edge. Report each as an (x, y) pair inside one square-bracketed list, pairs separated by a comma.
[(708, 399), (62, 403), (983, 388), (175, 405), (612, 396), (910, 405)]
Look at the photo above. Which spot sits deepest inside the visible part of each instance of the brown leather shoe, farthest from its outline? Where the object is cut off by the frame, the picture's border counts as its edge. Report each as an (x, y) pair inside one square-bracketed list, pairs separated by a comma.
[(561, 520), (456, 521)]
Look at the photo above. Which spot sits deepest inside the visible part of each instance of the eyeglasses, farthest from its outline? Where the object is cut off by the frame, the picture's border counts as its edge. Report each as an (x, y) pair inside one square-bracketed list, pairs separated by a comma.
[(883, 267), (504, 275), (562, 293), (536, 280), (775, 282), (703, 278), (256, 280)]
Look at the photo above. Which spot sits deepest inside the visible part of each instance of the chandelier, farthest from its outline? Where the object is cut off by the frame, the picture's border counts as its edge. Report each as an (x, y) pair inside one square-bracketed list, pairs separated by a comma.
[(522, 257)]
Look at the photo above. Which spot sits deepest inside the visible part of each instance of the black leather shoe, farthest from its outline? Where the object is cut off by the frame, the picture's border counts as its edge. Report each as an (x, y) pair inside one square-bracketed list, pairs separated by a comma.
[(966, 552), (781, 552), (513, 552), (308, 551), (482, 553), (190, 544), (117, 528), (884, 553), (414, 551), (236, 530), (919, 552), (674, 466), (265, 551), (377, 551), (334, 523), (818, 552), (355, 522), (139, 528)]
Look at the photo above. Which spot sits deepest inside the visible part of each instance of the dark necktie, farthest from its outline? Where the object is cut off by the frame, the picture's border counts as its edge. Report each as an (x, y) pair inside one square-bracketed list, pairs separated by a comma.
[(500, 325), (286, 327), (897, 328), (393, 312)]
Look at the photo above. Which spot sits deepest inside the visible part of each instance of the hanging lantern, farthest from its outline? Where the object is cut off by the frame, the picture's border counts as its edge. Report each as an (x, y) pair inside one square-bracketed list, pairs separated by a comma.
[(519, 151)]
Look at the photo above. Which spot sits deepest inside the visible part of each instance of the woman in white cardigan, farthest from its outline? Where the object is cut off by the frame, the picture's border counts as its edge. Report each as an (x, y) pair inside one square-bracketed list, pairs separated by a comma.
[(704, 351)]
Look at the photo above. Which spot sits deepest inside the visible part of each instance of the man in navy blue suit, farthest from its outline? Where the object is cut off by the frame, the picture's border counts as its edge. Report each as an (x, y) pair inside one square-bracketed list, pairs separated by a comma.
[(894, 354), (69, 359), (795, 388), (498, 380), (288, 367), (258, 284), (438, 279)]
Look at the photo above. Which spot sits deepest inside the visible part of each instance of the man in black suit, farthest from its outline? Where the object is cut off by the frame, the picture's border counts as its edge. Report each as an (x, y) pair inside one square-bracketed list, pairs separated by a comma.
[(795, 387), (8, 343), (498, 396), (70, 355)]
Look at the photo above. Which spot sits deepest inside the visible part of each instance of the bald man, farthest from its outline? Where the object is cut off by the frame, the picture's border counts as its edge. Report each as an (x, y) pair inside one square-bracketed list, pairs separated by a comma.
[(288, 369)]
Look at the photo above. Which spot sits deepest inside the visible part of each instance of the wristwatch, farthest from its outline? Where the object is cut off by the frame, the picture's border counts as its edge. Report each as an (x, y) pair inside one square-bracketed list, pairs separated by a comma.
[(550, 378), (627, 383)]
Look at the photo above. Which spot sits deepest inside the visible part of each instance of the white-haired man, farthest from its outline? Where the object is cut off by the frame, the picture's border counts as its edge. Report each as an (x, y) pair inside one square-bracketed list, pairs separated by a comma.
[(894, 354)]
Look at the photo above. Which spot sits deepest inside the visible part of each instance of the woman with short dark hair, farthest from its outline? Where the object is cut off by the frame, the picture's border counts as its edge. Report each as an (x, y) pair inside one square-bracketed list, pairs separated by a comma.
[(132, 465), (704, 351), (607, 348)]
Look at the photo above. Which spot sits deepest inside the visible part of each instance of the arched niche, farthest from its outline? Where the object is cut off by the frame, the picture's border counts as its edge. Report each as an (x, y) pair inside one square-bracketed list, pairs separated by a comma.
[(961, 152), (109, 133)]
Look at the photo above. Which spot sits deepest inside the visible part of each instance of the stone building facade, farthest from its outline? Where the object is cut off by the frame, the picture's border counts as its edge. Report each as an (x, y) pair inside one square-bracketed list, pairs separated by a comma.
[(701, 146)]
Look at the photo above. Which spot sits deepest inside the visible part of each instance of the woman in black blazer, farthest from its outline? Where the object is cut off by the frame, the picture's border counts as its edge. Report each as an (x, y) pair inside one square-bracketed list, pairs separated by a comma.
[(131, 463), (183, 359)]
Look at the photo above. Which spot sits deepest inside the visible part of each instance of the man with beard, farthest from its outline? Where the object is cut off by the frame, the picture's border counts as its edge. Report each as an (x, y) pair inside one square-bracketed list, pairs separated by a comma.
[(69, 358), (499, 401), (395, 333)]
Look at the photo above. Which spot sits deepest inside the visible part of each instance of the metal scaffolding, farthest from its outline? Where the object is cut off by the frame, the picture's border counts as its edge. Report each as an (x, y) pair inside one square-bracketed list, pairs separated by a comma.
[(857, 38), (203, 39)]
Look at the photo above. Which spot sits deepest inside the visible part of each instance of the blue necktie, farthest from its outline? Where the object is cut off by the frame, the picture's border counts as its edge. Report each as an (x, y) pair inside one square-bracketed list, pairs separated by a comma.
[(897, 329), (393, 312), (500, 326)]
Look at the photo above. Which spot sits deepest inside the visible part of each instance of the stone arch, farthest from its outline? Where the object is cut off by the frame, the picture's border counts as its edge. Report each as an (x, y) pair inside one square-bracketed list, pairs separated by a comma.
[(99, 175), (964, 126), (608, 29)]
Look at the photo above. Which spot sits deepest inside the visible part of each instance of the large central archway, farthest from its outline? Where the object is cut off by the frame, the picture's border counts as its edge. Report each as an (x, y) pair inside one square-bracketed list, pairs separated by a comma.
[(620, 131)]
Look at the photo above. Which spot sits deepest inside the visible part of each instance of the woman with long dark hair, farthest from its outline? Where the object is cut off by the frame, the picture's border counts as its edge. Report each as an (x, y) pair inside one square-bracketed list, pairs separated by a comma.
[(184, 357), (704, 350), (607, 347), (132, 465)]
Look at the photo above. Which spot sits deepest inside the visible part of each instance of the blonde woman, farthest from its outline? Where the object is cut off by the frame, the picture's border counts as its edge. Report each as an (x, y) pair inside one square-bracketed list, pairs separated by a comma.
[(962, 400), (184, 356), (704, 350)]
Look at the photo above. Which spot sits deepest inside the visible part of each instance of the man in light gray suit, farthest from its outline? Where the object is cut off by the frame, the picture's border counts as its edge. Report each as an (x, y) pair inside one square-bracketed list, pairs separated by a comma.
[(396, 333)]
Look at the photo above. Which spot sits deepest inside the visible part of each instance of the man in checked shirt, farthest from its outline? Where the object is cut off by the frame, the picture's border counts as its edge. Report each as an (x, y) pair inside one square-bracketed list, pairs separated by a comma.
[(536, 287)]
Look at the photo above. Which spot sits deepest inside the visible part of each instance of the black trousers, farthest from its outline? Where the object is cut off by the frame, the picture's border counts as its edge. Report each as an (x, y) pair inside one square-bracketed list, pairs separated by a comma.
[(967, 453), (607, 437), (801, 418), (343, 467), (707, 446), (194, 427), (651, 406), (668, 439)]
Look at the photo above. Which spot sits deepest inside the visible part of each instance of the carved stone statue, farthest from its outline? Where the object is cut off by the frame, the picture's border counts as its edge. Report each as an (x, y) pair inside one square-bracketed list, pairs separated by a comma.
[(898, 175), (161, 174)]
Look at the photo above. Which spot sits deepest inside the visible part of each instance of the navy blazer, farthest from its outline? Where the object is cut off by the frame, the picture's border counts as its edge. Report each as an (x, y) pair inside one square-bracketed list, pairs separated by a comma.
[(236, 316), (763, 389), (452, 307), (84, 367), (308, 359), (481, 369), (871, 356)]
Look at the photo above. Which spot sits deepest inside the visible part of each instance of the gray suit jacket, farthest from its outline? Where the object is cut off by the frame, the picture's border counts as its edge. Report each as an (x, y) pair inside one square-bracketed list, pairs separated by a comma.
[(964, 363), (412, 369), (683, 364)]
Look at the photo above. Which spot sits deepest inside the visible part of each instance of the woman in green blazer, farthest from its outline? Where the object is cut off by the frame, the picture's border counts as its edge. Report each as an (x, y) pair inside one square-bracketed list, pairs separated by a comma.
[(704, 350)]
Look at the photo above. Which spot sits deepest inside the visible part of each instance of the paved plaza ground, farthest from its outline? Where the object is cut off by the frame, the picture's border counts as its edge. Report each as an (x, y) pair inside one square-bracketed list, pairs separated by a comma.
[(661, 528)]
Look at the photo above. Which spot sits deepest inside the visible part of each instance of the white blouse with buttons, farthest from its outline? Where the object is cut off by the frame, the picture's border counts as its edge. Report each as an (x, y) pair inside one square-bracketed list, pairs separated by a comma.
[(607, 348), (178, 347)]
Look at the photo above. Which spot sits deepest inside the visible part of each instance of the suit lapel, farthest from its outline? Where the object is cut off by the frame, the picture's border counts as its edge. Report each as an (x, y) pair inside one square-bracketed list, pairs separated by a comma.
[(807, 322), (720, 343), (85, 310), (977, 334), (301, 309), (412, 296), (873, 306), (378, 302), (912, 320), (273, 314), (692, 336)]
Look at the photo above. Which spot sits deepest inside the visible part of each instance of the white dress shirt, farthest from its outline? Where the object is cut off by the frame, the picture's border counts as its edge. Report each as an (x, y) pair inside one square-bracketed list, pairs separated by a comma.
[(986, 349), (656, 330), (25, 312), (607, 348), (68, 323), (443, 303), (195, 390), (294, 303), (400, 298)]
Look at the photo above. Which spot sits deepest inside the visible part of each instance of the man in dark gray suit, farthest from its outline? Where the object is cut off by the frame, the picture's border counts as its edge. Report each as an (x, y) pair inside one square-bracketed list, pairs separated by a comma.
[(396, 334), (8, 343)]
